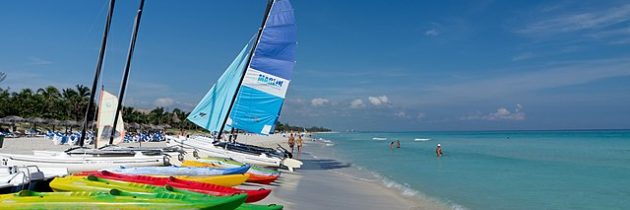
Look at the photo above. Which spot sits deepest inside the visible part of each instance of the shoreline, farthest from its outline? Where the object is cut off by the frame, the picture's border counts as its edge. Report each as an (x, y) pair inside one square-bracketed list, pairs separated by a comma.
[(382, 195), (321, 183)]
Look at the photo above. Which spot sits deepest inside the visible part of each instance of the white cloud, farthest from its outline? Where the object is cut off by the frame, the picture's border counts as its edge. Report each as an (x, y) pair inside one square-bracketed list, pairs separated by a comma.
[(37, 61), (420, 116), (502, 113), (621, 41), (319, 101), (546, 76), (378, 100), (401, 114), (164, 102), (523, 56), (432, 32), (595, 19), (357, 103)]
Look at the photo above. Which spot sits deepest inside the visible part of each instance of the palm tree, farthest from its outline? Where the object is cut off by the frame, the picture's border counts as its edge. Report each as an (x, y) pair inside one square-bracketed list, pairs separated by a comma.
[(157, 116), (25, 103), (5, 98), (70, 104), (83, 98), (51, 97)]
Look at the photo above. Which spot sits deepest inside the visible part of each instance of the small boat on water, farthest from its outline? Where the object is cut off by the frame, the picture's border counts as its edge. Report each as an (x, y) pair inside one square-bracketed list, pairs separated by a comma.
[(116, 199), (179, 171)]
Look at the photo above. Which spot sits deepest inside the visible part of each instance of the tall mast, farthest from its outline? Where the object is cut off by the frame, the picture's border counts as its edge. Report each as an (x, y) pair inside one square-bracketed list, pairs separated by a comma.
[(97, 73), (251, 54), (123, 85)]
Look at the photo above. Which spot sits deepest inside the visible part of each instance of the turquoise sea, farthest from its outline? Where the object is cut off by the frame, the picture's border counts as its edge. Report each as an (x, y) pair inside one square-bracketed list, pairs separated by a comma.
[(587, 169)]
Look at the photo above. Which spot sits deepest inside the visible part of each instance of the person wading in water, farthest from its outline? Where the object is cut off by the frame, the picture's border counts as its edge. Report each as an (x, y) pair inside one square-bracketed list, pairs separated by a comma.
[(438, 150)]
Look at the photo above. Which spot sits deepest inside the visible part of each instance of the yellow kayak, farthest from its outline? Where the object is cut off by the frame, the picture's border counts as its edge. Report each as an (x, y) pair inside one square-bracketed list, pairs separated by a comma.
[(223, 180)]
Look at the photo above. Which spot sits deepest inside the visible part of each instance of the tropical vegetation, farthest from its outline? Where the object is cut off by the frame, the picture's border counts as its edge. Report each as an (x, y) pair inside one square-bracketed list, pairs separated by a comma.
[(70, 103)]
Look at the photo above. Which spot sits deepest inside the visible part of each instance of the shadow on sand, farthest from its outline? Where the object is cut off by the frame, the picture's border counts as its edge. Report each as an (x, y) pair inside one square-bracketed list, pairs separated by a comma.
[(323, 164)]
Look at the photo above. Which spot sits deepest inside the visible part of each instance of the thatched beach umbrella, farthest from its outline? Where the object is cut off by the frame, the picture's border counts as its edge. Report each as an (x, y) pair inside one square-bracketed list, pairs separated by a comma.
[(91, 125), (69, 124), (35, 121), (4, 122), (12, 120), (166, 126), (133, 125), (54, 122)]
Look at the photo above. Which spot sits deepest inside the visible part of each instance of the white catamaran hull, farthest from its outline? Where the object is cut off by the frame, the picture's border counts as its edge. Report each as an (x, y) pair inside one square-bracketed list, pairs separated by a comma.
[(206, 148), (288, 162), (78, 163), (18, 177)]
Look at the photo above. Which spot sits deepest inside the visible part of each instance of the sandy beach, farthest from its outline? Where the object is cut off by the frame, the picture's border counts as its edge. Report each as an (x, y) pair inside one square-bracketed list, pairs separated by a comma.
[(318, 185)]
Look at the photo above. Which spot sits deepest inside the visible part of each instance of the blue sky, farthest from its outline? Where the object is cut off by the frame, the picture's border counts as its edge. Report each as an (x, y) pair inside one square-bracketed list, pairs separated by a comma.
[(377, 65)]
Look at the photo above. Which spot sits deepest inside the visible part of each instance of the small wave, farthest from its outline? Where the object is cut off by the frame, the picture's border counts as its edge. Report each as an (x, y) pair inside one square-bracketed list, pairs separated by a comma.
[(458, 207), (404, 188), (421, 139), (379, 138)]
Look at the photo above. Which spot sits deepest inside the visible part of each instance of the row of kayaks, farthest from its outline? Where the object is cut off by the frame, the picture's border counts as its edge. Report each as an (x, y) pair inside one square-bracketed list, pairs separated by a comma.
[(206, 183), (135, 178)]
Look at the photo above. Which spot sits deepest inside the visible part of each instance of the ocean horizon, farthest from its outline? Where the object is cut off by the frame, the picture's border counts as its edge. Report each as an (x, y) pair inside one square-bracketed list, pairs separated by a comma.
[(531, 169)]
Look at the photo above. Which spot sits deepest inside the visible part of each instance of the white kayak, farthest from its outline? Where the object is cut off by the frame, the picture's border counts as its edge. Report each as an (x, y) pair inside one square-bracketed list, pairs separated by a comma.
[(78, 163)]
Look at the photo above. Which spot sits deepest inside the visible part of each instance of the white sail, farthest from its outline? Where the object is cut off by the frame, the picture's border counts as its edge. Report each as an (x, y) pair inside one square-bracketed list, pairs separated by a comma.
[(106, 113)]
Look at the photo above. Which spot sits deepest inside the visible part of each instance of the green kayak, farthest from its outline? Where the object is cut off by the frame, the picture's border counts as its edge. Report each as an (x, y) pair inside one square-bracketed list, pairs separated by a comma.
[(115, 199), (95, 184)]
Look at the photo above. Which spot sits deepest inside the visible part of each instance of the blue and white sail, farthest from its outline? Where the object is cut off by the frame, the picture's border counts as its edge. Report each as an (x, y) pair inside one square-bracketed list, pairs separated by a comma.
[(261, 92), (260, 98), (211, 111)]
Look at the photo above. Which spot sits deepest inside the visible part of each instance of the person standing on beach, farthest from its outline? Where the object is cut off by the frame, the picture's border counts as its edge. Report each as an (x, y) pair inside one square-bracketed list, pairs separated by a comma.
[(299, 143), (234, 135), (438, 150), (291, 142)]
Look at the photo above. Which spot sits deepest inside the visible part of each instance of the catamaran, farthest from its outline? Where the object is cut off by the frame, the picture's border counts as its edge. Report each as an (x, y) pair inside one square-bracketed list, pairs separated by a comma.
[(250, 93), (16, 178), (84, 159)]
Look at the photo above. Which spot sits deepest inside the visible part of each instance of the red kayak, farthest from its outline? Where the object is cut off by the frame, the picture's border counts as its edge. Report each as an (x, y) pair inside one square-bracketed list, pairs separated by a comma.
[(205, 188)]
